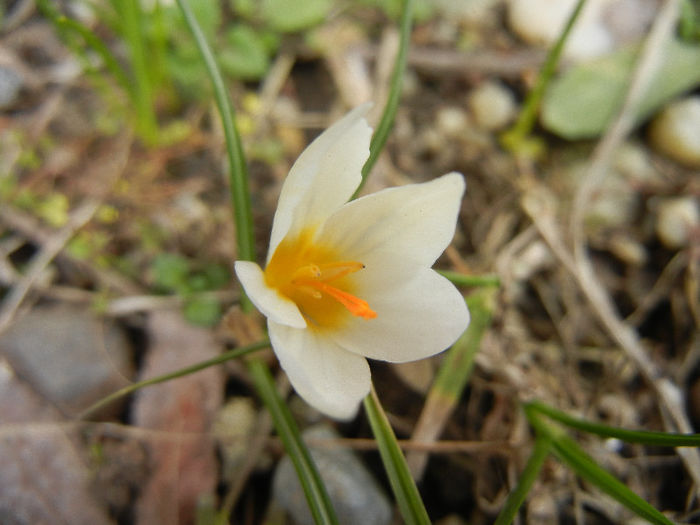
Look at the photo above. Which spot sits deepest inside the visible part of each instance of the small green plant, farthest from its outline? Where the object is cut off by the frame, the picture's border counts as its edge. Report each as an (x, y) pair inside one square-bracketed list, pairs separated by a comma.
[(175, 274)]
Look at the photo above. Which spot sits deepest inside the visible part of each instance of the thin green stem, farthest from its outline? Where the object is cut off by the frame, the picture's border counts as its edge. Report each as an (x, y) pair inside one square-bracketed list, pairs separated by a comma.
[(316, 495), (226, 356), (458, 363), (571, 454), (542, 448), (663, 439), (461, 279), (402, 484), (515, 139), (66, 26), (131, 18), (586, 468), (381, 134), (238, 171)]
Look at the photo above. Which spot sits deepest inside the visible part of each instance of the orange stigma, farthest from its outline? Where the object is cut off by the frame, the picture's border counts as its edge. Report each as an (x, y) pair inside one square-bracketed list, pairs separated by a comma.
[(314, 279)]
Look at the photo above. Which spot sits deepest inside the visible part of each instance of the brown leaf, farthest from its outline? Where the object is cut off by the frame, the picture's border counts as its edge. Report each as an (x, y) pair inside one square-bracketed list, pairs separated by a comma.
[(182, 452)]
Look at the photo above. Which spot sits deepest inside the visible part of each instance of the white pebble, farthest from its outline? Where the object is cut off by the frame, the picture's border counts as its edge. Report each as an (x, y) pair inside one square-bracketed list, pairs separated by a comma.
[(492, 105), (677, 217), (675, 131), (451, 121), (540, 22)]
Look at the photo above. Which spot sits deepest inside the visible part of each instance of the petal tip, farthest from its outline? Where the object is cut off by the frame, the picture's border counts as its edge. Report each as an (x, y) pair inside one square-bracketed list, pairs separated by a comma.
[(457, 180)]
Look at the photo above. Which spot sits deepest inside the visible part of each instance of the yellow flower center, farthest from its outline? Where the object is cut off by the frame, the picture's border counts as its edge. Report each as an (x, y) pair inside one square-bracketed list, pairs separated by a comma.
[(318, 281)]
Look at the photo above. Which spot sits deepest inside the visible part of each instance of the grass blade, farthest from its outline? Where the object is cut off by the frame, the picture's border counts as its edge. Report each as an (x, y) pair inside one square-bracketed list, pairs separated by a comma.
[(68, 27), (143, 93), (569, 453), (451, 379), (316, 495), (586, 468), (226, 356), (516, 138), (381, 134), (238, 171), (541, 450), (402, 484), (462, 279), (663, 439)]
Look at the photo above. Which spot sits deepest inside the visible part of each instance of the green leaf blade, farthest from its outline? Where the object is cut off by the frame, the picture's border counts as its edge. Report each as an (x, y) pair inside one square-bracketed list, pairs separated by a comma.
[(311, 483), (643, 437), (586, 468), (532, 469), (582, 102), (402, 484)]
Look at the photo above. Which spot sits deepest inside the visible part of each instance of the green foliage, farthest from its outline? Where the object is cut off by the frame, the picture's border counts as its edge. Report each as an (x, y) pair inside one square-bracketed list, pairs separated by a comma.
[(582, 102), (315, 491), (422, 10), (689, 21), (203, 311), (245, 54), (290, 16), (176, 274), (552, 438), (402, 484), (170, 272)]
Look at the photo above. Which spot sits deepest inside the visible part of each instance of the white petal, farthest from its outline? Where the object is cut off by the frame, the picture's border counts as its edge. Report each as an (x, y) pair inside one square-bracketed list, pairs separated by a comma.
[(417, 317), (324, 177), (272, 305), (329, 378), (412, 223)]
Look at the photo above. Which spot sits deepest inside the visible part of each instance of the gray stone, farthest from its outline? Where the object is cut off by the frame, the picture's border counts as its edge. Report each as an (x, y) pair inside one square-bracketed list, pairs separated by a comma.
[(10, 84), (354, 493), (69, 355)]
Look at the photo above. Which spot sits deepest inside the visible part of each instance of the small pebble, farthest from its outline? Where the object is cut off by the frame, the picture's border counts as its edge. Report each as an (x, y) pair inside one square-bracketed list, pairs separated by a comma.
[(234, 424), (69, 355), (677, 218), (675, 131), (628, 250), (492, 105), (633, 162), (10, 86), (451, 121), (540, 22)]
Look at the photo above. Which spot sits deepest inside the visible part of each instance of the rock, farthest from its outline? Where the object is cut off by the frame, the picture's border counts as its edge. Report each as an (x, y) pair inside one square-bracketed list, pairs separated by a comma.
[(540, 22), (451, 121), (677, 219), (233, 427), (492, 105), (675, 131), (633, 161), (10, 86), (43, 479), (69, 355), (355, 495)]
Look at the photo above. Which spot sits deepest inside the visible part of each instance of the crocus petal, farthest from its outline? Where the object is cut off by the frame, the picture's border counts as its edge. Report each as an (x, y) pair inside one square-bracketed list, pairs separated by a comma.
[(324, 176), (417, 317), (415, 223), (272, 305), (329, 378)]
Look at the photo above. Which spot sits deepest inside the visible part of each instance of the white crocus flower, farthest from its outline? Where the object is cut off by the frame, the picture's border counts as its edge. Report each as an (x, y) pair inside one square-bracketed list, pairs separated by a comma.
[(350, 280)]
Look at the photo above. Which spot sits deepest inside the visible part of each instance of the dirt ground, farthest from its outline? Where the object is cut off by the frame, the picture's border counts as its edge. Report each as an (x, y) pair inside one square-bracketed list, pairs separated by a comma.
[(87, 212)]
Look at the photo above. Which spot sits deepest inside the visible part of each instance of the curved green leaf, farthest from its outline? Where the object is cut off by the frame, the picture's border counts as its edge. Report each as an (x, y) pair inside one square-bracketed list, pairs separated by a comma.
[(643, 437), (581, 103), (314, 489), (516, 498), (584, 466), (402, 484)]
